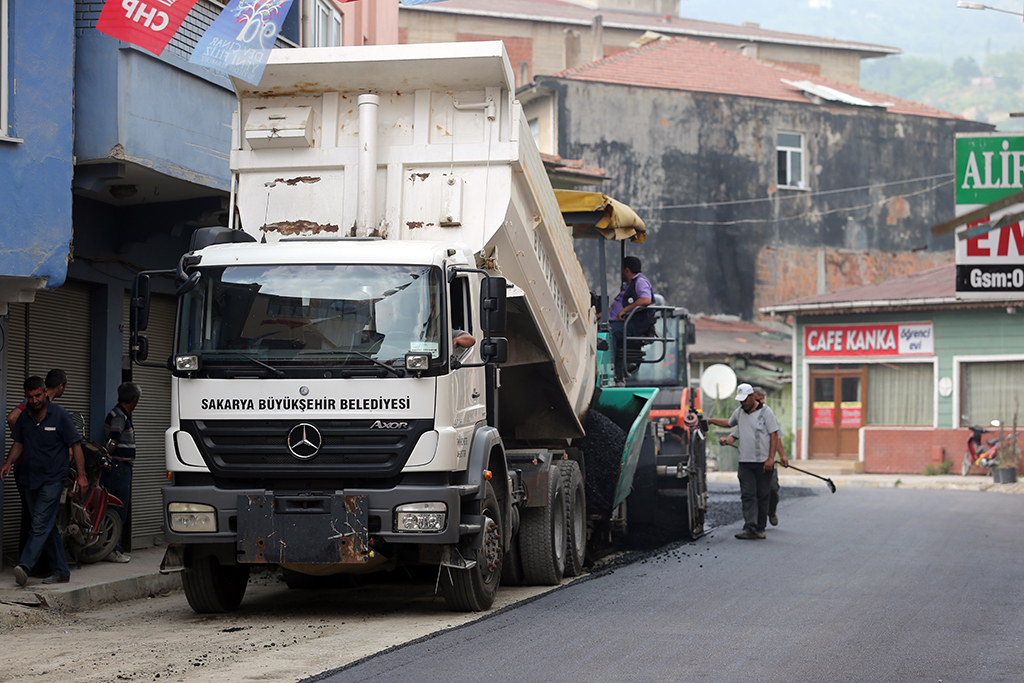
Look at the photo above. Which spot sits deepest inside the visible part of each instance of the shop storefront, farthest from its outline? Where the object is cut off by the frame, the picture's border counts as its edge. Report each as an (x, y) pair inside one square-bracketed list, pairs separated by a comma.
[(889, 376)]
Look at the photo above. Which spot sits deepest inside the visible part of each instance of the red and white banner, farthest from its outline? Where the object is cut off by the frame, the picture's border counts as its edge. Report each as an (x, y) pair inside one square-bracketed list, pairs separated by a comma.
[(895, 339), (150, 24)]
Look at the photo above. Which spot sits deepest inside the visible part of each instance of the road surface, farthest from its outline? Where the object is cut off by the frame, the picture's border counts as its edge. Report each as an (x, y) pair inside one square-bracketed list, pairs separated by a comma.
[(862, 585)]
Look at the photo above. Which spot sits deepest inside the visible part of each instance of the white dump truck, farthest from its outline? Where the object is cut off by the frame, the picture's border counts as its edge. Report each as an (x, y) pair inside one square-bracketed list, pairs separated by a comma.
[(389, 355)]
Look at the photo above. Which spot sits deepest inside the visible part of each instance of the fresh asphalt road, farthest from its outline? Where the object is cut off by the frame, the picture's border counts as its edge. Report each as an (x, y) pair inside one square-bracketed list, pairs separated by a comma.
[(861, 585)]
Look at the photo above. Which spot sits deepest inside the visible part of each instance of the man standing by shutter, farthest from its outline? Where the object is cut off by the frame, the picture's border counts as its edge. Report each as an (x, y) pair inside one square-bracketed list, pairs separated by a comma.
[(43, 434), (56, 385), (119, 436)]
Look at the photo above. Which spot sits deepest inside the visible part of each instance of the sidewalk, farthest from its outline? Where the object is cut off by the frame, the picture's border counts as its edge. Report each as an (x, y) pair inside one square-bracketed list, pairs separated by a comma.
[(948, 482), (94, 584), (105, 582)]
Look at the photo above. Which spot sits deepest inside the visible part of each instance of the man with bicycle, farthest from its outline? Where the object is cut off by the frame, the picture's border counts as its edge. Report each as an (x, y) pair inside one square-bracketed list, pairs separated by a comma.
[(42, 435)]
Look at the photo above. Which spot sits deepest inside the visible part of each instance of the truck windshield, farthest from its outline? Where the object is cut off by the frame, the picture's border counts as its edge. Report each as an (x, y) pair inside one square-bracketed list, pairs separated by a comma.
[(313, 314)]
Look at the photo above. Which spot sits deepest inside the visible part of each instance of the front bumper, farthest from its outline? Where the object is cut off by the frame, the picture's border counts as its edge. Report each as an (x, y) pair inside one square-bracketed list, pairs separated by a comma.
[(319, 527)]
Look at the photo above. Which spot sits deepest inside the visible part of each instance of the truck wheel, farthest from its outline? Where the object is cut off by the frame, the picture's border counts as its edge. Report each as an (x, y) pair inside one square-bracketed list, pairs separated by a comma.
[(576, 516), (542, 536), (472, 590), (211, 587)]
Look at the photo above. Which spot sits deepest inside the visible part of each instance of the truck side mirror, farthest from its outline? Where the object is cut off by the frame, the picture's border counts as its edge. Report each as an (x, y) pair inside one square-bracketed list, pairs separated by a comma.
[(492, 305), (494, 350), (138, 317), (139, 345), (689, 333)]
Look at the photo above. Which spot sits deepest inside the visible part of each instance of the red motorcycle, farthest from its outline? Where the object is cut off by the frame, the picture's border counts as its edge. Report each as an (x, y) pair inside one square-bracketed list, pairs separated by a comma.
[(87, 521), (980, 455)]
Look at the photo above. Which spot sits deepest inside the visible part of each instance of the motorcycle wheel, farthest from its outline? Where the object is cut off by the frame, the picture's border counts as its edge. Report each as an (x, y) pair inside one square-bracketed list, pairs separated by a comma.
[(965, 466), (104, 544)]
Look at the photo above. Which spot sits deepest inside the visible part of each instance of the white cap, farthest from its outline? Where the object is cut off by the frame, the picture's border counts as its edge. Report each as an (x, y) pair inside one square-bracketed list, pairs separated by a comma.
[(743, 390)]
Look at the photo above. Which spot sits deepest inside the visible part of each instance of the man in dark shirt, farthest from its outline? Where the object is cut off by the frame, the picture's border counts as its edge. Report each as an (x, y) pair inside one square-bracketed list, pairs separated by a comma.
[(119, 436), (42, 435), (56, 385)]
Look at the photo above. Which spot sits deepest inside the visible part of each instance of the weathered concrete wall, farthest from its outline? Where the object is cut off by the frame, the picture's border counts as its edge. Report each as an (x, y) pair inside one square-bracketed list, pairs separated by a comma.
[(701, 169)]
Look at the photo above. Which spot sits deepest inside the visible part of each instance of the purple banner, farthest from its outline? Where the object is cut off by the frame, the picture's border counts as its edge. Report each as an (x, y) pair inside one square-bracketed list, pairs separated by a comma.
[(241, 38)]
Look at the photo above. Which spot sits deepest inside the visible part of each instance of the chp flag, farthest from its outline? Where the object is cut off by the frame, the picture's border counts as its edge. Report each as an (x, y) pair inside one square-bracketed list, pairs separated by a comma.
[(150, 24), (990, 248), (240, 39)]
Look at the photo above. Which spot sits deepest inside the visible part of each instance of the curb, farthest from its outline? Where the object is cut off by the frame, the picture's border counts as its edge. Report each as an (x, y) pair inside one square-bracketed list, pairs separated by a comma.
[(133, 588)]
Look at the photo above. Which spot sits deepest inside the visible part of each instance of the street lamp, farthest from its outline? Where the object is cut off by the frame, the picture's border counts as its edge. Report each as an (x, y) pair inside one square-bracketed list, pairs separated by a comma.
[(963, 4)]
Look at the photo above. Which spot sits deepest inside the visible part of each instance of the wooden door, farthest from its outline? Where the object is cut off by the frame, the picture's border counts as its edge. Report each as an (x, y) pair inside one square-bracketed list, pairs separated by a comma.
[(837, 411)]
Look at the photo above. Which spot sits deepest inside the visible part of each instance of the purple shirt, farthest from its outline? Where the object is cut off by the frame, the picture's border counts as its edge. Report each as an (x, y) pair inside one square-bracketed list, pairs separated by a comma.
[(643, 290)]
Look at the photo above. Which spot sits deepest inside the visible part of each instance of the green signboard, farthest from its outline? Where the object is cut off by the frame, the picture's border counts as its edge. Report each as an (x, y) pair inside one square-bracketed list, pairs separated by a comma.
[(988, 167)]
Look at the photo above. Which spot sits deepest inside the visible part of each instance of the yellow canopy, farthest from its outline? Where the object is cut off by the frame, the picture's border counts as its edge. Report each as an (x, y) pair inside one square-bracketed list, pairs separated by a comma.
[(587, 212)]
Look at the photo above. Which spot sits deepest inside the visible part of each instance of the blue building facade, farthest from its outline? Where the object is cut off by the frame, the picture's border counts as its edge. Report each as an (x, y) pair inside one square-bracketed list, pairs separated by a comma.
[(35, 146), (36, 105), (112, 158)]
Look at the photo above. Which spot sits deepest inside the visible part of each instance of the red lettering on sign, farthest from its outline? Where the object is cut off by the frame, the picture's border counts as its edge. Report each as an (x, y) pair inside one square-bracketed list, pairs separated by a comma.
[(1004, 240)]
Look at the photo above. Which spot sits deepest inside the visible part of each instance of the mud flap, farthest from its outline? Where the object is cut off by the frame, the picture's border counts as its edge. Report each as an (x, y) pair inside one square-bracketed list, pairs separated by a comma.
[(303, 529), (451, 557), (174, 559)]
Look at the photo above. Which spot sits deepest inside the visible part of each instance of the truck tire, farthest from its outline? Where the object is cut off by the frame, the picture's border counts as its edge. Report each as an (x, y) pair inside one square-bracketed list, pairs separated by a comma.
[(212, 587), (575, 517), (473, 590), (542, 536)]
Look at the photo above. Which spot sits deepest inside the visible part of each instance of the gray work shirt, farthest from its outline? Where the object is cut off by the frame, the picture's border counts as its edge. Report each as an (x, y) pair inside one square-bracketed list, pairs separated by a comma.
[(753, 432)]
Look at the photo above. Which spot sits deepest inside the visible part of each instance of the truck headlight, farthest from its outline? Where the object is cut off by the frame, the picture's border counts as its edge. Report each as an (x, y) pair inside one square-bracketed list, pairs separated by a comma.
[(192, 517), (417, 361), (421, 517), (186, 363)]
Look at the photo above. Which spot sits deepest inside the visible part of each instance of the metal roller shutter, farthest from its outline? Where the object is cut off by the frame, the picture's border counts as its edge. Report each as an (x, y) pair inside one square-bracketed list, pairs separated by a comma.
[(51, 332), (15, 358), (151, 418)]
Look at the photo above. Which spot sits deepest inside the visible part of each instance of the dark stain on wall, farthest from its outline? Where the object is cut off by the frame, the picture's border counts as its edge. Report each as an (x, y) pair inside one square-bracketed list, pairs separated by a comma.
[(701, 170)]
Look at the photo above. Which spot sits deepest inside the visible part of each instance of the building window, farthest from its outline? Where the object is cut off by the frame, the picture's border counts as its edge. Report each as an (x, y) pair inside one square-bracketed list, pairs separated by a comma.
[(901, 394), (991, 391), (326, 25), (4, 67), (790, 152)]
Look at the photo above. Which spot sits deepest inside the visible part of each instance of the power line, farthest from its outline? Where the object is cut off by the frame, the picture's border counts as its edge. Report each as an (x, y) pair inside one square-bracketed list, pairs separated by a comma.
[(743, 221), (796, 195)]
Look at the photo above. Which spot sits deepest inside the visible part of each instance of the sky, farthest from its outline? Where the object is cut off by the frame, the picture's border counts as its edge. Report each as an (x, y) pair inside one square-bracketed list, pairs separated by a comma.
[(931, 29)]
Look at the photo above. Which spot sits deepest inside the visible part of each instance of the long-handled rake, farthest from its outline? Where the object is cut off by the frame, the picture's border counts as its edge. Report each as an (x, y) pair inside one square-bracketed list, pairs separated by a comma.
[(817, 476)]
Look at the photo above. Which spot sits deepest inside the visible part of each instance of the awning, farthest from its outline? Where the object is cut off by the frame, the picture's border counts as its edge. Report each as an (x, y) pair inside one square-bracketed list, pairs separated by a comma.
[(590, 214)]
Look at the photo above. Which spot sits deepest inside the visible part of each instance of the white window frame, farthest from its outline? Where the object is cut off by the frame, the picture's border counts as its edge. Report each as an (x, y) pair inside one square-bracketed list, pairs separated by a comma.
[(324, 10), (958, 363), (802, 183)]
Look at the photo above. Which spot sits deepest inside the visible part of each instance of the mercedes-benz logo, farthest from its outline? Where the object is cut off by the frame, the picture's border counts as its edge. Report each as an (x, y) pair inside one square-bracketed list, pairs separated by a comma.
[(304, 441)]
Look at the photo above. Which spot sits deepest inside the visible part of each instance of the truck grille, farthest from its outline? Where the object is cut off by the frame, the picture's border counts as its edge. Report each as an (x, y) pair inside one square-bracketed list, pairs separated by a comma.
[(350, 448)]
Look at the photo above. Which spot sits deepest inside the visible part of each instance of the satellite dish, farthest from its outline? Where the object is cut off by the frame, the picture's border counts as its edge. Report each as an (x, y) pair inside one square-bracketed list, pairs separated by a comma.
[(718, 381)]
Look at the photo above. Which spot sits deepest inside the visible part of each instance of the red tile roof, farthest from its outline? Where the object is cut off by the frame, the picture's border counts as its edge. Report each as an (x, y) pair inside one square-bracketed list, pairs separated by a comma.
[(729, 336), (559, 11), (688, 65)]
